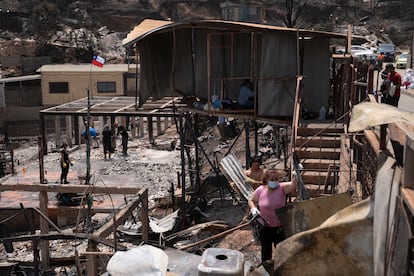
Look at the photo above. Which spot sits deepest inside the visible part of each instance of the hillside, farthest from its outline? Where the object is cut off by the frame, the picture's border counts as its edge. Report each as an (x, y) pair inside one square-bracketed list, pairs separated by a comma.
[(72, 31)]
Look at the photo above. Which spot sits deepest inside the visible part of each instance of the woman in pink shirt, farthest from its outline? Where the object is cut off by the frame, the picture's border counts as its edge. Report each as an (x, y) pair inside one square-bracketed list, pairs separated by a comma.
[(267, 198)]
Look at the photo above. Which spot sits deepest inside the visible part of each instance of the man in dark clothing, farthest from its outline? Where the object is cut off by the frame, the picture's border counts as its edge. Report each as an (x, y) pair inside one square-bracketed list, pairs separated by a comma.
[(124, 134), (107, 134), (64, 164)]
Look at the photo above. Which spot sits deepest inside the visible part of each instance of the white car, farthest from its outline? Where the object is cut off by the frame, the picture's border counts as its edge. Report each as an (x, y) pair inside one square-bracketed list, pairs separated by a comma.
[(359, 49), (402, 61)]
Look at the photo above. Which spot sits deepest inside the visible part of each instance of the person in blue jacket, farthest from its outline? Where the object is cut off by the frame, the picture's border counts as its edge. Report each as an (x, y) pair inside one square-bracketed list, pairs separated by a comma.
[(246, 95)]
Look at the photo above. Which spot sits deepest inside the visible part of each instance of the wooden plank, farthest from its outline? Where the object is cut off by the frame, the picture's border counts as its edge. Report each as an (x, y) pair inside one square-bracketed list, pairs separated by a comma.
[(44, 229), (408, 197), (345, 176), (373, 141), (326, 142), (68, 188), (306, 131), (120, 218), (318, 154)]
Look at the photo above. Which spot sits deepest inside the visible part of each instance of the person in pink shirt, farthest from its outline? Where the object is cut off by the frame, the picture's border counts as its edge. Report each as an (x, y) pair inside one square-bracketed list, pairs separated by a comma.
[(264, 201)]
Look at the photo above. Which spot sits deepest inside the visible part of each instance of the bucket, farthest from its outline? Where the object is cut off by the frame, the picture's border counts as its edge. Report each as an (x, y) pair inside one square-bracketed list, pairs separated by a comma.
[(221, 262)]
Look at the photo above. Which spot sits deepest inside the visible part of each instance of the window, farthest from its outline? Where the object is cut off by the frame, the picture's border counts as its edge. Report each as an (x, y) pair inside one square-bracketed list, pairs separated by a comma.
[(58, 87), (107, 87)]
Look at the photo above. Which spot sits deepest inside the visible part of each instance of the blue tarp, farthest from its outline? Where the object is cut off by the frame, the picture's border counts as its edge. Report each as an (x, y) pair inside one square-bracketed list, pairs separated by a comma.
[(92, 132)]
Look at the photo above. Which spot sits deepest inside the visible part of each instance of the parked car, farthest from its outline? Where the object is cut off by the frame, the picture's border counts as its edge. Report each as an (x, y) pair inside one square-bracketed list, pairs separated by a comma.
[(359, 49), (388, 50), (355, 49), (402, 61)]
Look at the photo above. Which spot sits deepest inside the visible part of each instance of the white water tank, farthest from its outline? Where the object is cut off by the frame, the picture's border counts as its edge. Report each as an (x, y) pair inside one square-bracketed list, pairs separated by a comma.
[(221, 262)]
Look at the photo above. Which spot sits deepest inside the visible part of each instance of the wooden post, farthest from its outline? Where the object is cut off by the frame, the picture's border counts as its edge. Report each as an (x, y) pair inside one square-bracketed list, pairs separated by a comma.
[(133, 127), (370, 81), (141, 127), (81, 126), (41, 161), (150, 130), (91, 260), (69, 130), (144, 216), (408, 174), (58, 141), (44, 229), (43, 132), (76, 135), (383, 137), (159, 130), (101, 126), (247, 133)]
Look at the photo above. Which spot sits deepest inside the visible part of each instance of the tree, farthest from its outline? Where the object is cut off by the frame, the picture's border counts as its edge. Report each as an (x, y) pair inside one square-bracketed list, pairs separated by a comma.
[(44, 21), (44, 18), (292, 14)]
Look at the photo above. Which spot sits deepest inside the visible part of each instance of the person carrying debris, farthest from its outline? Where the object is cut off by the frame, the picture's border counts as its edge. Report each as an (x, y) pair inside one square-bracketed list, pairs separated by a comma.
[(254, 175), (124, 138), (264, 201), (107, 134), (64, 164)]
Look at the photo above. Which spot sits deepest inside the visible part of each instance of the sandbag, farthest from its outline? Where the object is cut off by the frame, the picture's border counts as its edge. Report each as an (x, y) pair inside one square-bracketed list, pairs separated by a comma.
[(143, 260)]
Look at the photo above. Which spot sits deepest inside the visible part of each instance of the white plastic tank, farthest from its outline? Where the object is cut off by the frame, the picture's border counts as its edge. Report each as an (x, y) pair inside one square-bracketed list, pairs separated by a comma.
[(221, 262)]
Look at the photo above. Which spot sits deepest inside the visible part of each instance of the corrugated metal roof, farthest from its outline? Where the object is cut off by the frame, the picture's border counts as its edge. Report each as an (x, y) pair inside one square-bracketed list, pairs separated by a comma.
[(149, 26), (20, 78), (145, 27), (82, 68)]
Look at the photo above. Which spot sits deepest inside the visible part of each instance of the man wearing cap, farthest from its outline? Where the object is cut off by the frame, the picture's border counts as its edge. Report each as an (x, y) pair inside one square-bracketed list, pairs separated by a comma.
[(395, 79)]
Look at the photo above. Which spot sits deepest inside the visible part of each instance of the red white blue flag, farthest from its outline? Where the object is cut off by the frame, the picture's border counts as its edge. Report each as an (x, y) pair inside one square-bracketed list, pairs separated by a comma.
[(98, 61)]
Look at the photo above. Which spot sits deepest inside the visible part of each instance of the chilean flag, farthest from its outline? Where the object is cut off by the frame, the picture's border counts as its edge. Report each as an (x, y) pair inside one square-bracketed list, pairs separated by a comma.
[(98, 61)]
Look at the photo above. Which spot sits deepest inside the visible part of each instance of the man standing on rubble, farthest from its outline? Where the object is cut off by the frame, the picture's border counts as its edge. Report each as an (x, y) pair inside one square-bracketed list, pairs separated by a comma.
[(124, 139), (107, 134), (64, 164), (263, 203)]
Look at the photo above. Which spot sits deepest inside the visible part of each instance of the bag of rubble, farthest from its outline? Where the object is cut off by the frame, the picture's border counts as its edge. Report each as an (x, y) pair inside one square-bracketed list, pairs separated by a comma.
[(143, 260)]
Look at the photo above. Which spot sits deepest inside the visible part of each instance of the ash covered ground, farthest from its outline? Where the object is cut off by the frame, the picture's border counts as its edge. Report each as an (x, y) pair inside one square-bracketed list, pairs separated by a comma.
[(147, 166)]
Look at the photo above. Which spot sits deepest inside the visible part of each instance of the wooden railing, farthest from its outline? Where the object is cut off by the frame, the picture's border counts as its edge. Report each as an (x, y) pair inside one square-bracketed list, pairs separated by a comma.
[(99, 236)]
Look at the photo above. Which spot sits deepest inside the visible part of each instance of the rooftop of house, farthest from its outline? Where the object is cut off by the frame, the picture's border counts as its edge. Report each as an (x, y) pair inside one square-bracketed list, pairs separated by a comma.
[(85, 67)]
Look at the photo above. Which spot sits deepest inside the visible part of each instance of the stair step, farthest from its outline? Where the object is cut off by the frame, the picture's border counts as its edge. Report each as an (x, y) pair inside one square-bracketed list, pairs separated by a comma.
[(313, 190), (306, 131), (318, 153), (317, 178), (325, 142), (318, 164)]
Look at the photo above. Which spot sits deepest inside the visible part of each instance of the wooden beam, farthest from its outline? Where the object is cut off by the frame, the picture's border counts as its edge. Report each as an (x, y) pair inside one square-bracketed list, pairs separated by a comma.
[(120, 217), (44, 229), (373, 141), (68, 188), (60, 236)]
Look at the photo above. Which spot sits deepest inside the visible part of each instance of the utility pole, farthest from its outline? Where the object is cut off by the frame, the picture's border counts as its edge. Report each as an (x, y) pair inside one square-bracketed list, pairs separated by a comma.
[(88, 137)]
